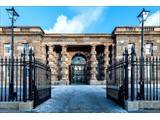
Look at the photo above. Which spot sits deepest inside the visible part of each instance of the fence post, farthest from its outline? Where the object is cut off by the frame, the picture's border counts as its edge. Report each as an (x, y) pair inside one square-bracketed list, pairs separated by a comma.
[(132, 74), (1, 59), (126, 73), (34, 82), (50, 82), (141, 82), (11, 81), (30, 75), (24, 78)]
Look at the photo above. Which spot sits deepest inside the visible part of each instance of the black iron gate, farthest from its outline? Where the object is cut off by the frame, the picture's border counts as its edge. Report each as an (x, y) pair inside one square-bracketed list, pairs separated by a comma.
[(132, 78), (78, 74), (42, 82), (38, 77), (32, 79)]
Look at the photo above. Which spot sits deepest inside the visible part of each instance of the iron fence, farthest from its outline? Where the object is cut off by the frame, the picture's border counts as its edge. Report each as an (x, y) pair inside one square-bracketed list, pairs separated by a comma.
[(32, 79), (116, 80), (42, 79), (134, 78), (149, 84)]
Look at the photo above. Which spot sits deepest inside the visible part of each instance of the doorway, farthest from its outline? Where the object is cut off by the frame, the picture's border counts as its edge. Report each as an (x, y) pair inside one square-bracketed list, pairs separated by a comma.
[(78, 69)]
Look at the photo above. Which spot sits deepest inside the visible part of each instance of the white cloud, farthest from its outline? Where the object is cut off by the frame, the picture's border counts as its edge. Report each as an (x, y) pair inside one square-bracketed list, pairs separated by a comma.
[(78, 23), (153, 20)]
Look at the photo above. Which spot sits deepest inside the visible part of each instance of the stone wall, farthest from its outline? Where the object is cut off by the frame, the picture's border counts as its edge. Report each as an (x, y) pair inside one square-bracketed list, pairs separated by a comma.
[(126, 35), (59, 61)]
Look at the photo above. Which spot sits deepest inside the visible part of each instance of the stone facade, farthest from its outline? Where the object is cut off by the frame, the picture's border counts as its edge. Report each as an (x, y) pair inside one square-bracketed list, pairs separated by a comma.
[(132, 35), (57, 50)]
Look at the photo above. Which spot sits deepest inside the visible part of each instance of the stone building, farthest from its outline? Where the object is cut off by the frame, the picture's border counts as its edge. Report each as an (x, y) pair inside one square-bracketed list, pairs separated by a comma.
[(79, 58)]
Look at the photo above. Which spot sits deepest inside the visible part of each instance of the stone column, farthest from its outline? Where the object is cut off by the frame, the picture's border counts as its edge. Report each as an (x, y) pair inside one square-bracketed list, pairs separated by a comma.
[(93, 79), (53, 64), (37, 50), (64, 66), (44, 53), (106, 58)]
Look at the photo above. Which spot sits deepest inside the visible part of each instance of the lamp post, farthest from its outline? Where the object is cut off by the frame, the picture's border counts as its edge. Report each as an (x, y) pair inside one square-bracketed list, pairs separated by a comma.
[(13, 15), (142, 17)]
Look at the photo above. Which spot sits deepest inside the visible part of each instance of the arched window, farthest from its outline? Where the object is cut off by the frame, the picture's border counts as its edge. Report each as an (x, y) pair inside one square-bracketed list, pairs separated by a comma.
[(78, 60)]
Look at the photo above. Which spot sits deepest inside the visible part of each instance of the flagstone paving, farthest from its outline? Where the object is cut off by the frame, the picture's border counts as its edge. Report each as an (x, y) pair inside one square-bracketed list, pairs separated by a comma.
[(79, 99)]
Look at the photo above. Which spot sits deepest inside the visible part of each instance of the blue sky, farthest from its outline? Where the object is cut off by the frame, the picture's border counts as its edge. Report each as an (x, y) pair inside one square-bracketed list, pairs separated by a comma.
[(77, 19)]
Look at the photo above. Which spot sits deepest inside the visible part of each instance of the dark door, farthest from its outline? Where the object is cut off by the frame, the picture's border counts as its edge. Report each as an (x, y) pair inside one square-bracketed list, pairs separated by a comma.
[(78, 74), (78, 69)]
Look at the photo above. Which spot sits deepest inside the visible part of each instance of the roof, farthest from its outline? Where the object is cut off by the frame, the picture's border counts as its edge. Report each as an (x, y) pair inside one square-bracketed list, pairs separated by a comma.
[(135, 29), (39, 30), (22, 29)]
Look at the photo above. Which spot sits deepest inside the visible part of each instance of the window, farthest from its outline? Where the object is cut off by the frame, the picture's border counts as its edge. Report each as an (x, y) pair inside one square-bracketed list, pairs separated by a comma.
[(7, 50), (130, 45), (78, 60), (149, 49), (26, 47)]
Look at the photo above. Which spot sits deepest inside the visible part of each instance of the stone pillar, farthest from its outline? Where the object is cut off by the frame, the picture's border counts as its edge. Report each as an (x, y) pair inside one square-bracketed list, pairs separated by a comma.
[(2, 49), (106, 58), (37, 50), (93, 79), (64, 66), (44, 53), (53, 64)]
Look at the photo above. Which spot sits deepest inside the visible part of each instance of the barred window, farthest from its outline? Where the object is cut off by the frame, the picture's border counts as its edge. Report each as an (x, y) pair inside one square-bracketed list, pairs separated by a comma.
[(149, 48), (26, 47), (7, 50), (130, 45)]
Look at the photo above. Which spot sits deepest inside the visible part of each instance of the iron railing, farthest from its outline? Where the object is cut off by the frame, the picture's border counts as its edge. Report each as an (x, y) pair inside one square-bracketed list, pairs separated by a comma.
[(131, 75), (42, 79), (32, 79), (150, 80)]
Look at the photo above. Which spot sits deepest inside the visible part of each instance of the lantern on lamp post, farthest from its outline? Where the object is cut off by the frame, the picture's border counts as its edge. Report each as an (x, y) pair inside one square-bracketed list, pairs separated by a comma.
[(142, 17), (13, 15)]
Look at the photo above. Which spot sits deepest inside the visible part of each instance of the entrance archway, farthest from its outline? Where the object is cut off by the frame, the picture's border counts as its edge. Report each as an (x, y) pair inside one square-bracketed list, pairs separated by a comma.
[(78, 69)]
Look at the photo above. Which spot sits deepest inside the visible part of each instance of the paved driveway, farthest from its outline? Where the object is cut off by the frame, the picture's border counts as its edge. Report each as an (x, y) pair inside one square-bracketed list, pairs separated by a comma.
[(79, 98)]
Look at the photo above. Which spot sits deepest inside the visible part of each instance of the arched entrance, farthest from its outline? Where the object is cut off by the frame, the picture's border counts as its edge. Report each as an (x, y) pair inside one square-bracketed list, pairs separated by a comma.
[(78, 69)]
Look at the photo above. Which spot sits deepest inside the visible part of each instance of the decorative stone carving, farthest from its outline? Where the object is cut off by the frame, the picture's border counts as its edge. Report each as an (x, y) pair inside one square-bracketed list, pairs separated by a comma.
[(106, 52), (64, 66), (53, 63), (94, 63)]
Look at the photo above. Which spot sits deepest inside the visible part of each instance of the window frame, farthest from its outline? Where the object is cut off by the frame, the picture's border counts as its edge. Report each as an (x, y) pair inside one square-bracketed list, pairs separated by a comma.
[(150, 49), (130, 49), (8, 49), (25, 47)]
